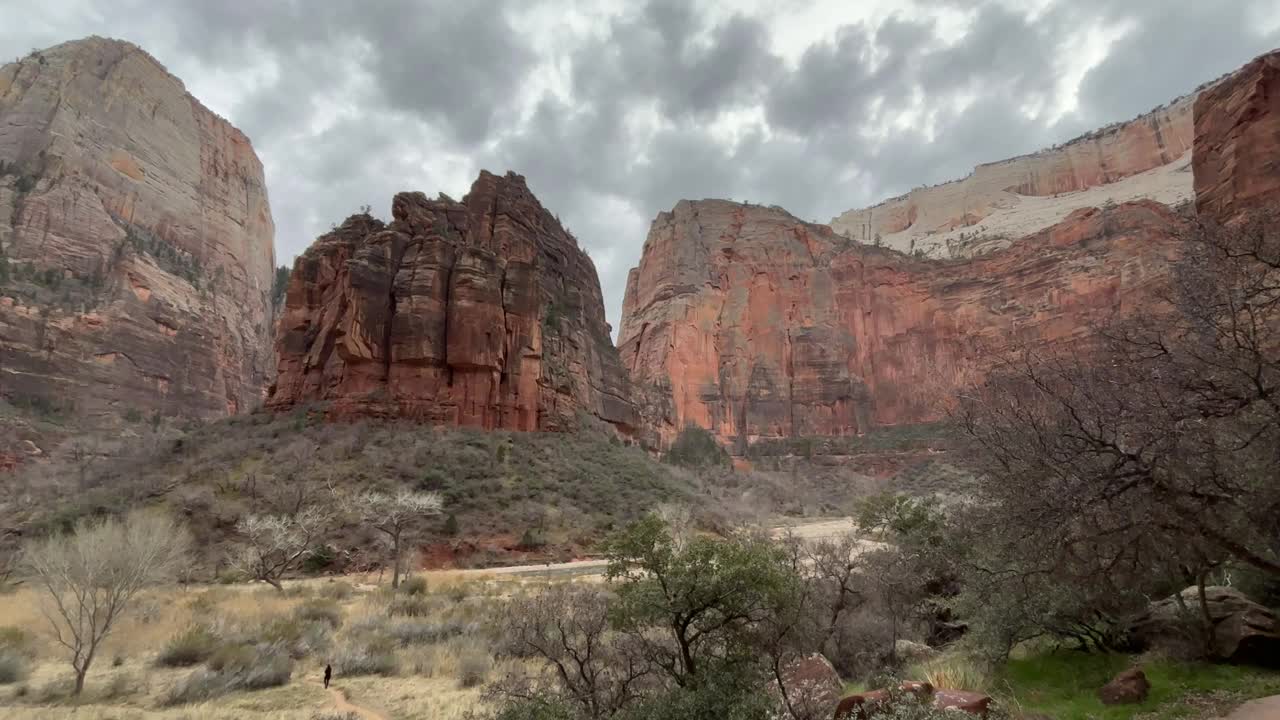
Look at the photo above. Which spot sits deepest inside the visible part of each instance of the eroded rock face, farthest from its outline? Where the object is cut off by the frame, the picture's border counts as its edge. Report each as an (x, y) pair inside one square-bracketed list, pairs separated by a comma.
[(1148, 157), (481, 313), (752, 324), (135, 241), (1237, 136)]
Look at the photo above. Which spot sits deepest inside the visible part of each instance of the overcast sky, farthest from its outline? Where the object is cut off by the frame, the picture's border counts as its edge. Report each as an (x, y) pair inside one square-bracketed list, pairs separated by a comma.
[(616, 109)]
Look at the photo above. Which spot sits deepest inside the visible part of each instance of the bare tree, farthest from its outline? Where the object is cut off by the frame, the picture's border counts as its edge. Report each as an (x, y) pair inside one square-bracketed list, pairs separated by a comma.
[(567, 628), (395, 515), (273, 546), (91, 575), (1150, 455)]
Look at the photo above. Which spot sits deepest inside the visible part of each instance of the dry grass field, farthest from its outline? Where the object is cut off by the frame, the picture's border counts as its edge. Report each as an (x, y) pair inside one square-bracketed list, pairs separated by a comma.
[(425, 653)]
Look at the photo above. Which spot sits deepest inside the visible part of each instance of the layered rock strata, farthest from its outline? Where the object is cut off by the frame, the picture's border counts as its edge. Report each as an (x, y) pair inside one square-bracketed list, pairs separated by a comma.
[(135, 241), (1148, 158), (1237, 145), (753, 324), (480, 313)]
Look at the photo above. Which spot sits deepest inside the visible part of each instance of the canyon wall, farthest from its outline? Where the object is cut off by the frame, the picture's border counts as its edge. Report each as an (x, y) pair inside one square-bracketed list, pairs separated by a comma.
[(1148, 157), (1237, 153), (753, 324), (135, 242), (480, 313)]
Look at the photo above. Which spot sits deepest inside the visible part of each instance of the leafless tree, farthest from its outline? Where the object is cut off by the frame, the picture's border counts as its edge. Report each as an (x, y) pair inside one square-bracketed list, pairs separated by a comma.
[(90, 576), (567, 628), (273, 546), (395, 515), (1155, 450)]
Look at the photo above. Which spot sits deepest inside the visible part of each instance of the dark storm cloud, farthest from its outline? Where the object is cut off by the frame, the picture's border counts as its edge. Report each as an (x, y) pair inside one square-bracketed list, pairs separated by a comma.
[(348, 102), (666, 51), (1170, 50)]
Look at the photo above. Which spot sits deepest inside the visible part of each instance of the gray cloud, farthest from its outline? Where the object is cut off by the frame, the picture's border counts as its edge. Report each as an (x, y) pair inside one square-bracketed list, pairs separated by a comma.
[(615, 115)]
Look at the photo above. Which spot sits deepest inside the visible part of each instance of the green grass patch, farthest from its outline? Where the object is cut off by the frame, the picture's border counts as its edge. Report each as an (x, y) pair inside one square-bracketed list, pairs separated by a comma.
[(1064, 685)]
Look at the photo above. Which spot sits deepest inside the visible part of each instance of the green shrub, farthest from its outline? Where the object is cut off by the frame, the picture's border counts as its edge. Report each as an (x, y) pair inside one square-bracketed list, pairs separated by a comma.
[(320, 559), (192, 646), (695, 447), (451, 525)]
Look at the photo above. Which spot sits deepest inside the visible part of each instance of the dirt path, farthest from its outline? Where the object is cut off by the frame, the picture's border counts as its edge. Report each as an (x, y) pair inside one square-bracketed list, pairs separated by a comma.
[(1267, 708), (810, 531), (342, 705)]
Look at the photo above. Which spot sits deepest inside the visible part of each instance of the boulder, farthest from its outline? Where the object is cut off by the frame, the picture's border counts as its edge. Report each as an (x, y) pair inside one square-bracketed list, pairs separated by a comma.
[(1128, 688), (1244, 631), (864, 705), (910, 653), (974, 703), (812, 686)]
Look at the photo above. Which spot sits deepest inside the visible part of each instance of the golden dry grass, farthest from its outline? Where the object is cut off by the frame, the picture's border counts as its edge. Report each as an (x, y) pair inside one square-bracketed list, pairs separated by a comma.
[(125, 682)]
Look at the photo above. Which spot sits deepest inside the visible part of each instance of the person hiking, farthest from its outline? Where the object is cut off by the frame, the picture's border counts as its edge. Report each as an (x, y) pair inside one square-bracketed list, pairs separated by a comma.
[(328, 673)]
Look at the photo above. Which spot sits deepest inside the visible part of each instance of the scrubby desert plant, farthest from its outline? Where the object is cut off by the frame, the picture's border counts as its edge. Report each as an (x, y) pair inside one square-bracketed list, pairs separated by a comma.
[(473, 667), (321, 611), (232, 668), (365, 656), (191, 646), (13, 666)]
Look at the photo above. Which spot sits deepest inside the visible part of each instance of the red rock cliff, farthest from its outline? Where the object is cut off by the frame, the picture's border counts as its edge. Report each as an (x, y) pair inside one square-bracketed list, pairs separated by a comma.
[(1237, 150), (480, 313), (135, 241), (749, 322)]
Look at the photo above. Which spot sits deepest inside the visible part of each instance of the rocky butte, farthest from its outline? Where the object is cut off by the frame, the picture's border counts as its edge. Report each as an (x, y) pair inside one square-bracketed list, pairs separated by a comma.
[(749, 322), (480, 313), (135, 241)]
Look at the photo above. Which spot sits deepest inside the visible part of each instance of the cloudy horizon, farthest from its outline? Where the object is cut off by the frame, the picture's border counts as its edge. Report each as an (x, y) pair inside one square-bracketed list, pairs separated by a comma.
[(614, 111)]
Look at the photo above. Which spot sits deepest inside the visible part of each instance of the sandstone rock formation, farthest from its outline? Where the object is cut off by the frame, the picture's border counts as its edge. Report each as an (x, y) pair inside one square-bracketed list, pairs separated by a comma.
[(752, 324), (1148, 157), (1237, 141), (481, 313), (810, 686), (135, 241), (1244, 631)]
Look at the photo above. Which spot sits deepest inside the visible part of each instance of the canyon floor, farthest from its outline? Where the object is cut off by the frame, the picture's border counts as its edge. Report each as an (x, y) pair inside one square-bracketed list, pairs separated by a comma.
[(443, 677)]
